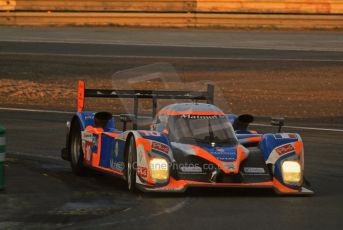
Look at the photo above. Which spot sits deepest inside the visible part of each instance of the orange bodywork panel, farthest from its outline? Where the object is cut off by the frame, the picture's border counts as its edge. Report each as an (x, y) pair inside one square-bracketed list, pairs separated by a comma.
[(241, 155), (182, 184), (253, 139)]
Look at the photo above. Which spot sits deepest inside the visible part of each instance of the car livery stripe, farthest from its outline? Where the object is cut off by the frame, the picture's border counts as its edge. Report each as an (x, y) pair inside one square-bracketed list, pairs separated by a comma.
[(281, 187), (109, 170), (114, 135), (298, 147), (241, 156), (179, 185), (94, 130), (253, 139)]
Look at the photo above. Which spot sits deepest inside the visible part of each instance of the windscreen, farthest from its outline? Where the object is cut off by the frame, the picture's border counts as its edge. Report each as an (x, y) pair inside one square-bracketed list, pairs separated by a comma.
[(201, 129)]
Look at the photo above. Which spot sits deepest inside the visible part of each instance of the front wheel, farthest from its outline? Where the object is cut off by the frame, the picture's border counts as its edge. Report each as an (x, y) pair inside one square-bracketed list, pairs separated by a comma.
[(76, 154), (131, 164)]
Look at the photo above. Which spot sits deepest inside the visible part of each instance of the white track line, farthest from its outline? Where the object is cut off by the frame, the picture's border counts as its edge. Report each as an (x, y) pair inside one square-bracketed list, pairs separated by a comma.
[(301, 127), (254, 124), (167, 57), (34, 155), (35, 110)]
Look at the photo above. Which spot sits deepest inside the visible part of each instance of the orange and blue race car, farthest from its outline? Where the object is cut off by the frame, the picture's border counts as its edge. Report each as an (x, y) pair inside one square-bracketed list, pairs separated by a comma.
[(188, 145)]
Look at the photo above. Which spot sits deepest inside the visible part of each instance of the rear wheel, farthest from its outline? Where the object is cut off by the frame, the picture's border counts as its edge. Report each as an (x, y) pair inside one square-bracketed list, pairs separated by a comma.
[(76, 154), (131, 165)]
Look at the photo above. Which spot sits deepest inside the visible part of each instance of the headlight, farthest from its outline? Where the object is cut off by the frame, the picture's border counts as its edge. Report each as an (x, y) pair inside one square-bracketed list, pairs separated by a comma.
[(159, 169), (291, 172)]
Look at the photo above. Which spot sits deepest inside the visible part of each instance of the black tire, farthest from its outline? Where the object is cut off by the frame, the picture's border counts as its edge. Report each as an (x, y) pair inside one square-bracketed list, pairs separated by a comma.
[(76, 154), (131, 163)]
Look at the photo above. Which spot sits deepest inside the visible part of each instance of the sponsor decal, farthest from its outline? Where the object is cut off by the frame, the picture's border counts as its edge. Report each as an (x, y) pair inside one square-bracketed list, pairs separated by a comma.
[(118, 166), (89, 117), (220, 150), (87, 144), (285, 136), (254, 170), (142, 171), (230, 166), (150, 133), (223, 154), (86, 136), (95, 144), (278, 136), (203, 117), (191, 169), (88, 151), (223, 158), (292, 136), (160, 147), (284, 149)]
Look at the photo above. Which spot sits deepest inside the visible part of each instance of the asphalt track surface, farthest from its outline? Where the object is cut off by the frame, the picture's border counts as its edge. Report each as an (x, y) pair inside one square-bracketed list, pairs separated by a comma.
[(42, 193), (158, 51)]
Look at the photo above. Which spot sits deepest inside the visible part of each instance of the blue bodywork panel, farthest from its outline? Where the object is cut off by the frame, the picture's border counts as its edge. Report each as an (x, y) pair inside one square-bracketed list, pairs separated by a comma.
[(231, 117), (272, 141), (107, 146), (87, 118), (226, 154)]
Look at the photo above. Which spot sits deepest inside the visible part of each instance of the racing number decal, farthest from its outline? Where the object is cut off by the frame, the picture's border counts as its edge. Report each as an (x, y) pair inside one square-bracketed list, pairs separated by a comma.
[(142, 170), (88, 152), (87, 145)]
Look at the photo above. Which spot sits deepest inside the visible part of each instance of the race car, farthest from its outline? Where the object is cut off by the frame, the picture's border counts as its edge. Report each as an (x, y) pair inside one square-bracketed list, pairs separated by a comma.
[(189, 144)]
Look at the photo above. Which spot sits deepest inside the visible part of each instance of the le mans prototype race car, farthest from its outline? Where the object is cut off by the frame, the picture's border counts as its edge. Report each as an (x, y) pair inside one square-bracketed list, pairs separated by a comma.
[(189, 145)]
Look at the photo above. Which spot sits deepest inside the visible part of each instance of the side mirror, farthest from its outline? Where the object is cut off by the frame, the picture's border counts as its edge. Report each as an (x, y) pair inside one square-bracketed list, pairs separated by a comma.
[(125, 118), (242, 122), (278, 121)]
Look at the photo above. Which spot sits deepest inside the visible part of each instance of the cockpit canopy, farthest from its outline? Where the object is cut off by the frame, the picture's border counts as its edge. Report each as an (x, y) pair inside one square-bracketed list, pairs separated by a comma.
[(195, 122)]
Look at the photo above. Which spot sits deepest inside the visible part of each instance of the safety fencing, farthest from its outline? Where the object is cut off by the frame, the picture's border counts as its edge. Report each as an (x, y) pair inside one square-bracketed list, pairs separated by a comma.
[(101, 5), (272, 6), (292, 14), (182, 20), (228, 6)]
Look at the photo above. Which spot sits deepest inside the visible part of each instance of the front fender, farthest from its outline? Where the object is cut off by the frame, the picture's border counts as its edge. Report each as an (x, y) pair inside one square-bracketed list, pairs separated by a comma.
[(149, 144), (279, 147)]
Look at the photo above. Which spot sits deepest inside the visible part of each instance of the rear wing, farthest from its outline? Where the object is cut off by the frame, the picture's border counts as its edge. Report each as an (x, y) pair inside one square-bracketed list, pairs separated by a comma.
[(142, 94)]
